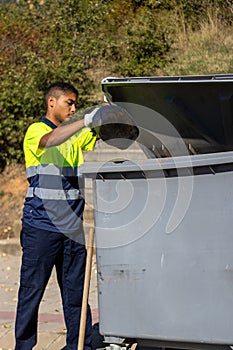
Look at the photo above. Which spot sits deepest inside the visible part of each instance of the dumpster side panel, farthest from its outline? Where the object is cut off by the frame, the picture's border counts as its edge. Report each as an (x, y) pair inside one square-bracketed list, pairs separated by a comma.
[(155, 284)]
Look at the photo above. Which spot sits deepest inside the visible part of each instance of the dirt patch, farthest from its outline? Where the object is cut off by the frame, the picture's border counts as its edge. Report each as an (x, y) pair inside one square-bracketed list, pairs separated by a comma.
[(13, 187)]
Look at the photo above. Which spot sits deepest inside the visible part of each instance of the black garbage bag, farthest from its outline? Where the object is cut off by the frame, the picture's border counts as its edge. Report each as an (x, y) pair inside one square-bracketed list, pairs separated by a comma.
[(116, 127)]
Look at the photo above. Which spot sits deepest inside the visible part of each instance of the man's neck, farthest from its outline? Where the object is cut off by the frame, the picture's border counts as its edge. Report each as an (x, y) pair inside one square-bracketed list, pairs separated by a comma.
[(48, 122)]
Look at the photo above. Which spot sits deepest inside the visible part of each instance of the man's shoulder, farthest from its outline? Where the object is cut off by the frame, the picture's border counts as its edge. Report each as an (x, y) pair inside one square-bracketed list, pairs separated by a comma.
[(35, 131), (37, 127)]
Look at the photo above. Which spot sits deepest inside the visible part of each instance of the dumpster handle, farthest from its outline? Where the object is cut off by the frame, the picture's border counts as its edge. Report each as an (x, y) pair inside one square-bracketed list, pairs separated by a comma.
[(101, 176)]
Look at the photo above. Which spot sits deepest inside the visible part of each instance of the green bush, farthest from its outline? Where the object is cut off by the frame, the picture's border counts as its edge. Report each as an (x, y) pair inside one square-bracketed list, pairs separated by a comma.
[(39, 46)]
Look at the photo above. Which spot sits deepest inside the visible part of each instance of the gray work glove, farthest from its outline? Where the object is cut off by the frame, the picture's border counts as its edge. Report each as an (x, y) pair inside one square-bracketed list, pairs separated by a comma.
[(90, 119), (111, 123)]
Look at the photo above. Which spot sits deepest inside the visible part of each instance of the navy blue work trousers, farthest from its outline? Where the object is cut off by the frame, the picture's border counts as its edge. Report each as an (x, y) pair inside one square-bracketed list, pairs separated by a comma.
[(42, 250)]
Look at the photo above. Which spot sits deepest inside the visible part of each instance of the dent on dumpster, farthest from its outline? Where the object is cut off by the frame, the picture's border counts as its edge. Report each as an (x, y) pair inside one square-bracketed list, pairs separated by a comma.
[(101, 279), (120, 272), (229, 268)]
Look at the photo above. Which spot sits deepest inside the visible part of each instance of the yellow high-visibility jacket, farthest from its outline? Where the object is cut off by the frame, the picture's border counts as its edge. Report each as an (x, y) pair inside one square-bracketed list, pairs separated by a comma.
[(55, 197)]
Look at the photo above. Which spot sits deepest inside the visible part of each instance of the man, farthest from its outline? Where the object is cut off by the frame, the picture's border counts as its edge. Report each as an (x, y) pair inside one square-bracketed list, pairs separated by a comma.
[(52, 227)]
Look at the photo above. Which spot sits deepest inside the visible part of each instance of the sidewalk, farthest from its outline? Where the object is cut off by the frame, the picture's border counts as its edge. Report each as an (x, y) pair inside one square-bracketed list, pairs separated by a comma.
[(51, 327)]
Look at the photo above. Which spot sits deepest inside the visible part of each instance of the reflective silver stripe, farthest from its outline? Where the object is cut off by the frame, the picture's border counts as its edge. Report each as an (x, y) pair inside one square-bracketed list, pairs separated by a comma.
[(51, 169), (45, 193), (31, 171)]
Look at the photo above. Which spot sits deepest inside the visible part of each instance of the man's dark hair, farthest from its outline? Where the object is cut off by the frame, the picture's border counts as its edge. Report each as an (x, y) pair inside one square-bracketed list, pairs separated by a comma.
[(59, 88)]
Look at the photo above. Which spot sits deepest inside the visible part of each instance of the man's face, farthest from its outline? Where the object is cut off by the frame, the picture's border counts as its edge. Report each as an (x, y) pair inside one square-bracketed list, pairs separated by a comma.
[(62, 108)]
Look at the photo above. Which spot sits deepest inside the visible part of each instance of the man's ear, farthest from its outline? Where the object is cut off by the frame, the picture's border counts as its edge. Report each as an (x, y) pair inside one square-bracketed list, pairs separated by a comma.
[(51, 101)]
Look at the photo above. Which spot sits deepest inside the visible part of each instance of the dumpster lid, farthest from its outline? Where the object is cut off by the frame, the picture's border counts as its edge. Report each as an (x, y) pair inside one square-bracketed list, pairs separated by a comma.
[(177, 115)]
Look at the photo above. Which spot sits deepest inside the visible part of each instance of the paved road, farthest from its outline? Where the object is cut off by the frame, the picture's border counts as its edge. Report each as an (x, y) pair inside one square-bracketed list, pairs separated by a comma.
[(51, 325)]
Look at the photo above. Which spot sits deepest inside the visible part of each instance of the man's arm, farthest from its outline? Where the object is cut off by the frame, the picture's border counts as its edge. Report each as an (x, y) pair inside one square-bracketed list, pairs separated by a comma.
[(64, 132), (60, 134)]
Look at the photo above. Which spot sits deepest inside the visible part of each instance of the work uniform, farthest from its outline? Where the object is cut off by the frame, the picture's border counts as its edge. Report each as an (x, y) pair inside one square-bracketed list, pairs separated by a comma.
[(52, 232)]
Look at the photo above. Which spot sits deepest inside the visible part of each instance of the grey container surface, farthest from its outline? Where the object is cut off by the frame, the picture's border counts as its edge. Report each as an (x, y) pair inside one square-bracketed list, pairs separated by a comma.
[(164, 240)]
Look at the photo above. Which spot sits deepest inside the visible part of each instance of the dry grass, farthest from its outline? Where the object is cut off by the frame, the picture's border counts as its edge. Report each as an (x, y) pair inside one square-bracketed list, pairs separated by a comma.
[(207, 51)]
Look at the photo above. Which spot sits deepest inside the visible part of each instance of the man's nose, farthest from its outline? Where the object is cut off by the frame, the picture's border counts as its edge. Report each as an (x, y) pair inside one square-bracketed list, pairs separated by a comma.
[(73, 108)]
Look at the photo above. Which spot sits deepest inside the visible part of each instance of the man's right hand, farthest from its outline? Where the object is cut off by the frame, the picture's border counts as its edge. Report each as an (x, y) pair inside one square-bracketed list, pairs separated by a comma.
[(91, 120)]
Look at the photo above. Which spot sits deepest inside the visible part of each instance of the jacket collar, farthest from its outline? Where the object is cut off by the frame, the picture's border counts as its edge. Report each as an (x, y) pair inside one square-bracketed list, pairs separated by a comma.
[(48, 122)]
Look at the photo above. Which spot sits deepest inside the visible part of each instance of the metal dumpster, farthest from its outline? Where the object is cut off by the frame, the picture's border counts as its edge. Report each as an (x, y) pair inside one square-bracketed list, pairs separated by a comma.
[(164, 225)]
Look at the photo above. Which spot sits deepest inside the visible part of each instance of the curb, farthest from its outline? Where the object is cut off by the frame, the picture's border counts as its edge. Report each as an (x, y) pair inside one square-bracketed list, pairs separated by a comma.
[(10, 246)]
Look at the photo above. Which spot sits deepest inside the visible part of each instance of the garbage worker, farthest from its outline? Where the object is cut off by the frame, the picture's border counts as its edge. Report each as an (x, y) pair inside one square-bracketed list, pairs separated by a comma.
[(52, 223)]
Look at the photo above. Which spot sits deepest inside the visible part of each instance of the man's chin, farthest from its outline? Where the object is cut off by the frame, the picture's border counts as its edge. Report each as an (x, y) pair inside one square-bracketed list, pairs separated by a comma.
[(68, 118)]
